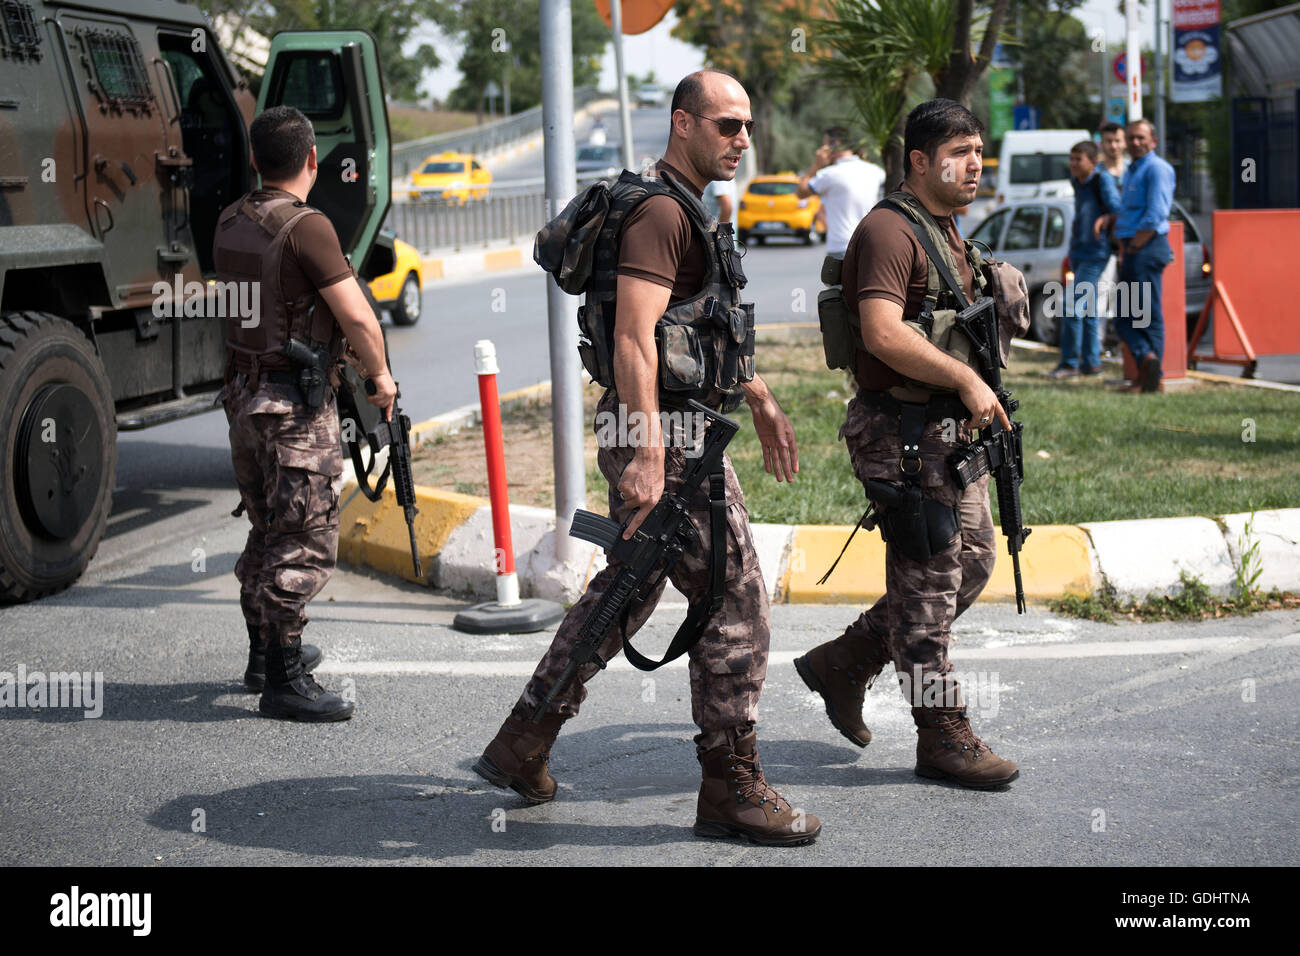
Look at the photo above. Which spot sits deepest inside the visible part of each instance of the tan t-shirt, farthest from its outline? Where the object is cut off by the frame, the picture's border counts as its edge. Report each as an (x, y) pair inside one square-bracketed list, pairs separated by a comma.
[(659, 245), (884, 260)]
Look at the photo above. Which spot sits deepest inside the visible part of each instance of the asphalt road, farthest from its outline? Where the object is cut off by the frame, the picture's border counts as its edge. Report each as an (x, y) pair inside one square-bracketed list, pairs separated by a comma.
[(1133, 749), (1136, 744)]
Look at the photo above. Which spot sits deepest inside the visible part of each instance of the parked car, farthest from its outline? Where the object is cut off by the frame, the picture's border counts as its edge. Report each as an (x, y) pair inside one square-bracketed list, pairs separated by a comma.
[(399, 291), (598, 162), (770, 207), (1034, 236), (450, 178), (651, 94)]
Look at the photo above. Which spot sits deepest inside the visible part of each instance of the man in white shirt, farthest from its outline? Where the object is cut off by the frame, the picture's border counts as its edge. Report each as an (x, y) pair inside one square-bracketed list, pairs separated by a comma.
[(847, 185), (720, 200)]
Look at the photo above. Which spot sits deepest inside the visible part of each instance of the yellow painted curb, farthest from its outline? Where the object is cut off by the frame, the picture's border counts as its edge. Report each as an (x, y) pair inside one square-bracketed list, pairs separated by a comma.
[(373, 533), (1055, 560), (432, 270), (502, 259)]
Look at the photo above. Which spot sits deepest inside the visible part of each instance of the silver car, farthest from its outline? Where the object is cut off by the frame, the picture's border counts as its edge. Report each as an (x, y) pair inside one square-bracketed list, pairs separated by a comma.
[(1034, 236)]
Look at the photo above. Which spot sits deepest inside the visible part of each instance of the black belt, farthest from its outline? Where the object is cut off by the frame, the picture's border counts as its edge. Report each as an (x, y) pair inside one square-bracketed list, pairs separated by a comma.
[(937, 408), (281, 378)]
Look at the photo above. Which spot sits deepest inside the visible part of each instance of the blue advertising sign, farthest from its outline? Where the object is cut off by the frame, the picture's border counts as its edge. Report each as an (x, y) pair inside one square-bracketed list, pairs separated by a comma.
[(1198, 65)]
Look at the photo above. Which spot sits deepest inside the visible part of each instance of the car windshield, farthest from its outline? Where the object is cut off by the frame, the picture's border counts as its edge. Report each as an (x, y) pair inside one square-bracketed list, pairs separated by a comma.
[(1039, 167), (598, 154), (443, 168), (773, 189)]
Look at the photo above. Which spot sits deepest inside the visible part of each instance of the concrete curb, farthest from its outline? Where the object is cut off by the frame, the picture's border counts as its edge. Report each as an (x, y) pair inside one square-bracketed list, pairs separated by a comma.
[(1136, 558)]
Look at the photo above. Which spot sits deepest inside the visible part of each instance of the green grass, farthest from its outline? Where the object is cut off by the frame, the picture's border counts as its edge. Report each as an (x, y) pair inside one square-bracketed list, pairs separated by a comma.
[(1109, 456)]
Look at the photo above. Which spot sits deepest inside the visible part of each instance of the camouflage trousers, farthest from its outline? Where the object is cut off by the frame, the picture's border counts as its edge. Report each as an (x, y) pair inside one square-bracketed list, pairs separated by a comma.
[(911, 624), (729, 663), (288, 462)]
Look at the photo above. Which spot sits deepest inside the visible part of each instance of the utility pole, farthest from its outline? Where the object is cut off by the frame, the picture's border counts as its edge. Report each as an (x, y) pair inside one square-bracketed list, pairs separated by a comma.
[(561, 180), (624, 110), (1158, 82), (1133, 60)]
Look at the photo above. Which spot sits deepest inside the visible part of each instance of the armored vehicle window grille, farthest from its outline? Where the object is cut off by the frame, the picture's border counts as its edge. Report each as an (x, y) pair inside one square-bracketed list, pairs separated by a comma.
[(119, 71), (20, 34)]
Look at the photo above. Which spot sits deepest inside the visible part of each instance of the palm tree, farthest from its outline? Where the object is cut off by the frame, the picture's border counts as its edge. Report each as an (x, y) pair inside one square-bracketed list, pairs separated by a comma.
[(883, 46)]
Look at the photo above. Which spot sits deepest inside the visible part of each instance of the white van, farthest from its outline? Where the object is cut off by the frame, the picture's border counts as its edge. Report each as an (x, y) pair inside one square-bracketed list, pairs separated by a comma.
[(1035, 163)]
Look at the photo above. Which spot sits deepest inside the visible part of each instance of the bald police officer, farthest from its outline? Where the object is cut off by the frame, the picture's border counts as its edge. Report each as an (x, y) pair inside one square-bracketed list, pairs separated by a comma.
[(659, 261)]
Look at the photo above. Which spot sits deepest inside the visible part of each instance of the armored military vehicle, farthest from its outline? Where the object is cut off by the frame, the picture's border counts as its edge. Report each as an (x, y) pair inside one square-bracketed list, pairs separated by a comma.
[(123, 134)]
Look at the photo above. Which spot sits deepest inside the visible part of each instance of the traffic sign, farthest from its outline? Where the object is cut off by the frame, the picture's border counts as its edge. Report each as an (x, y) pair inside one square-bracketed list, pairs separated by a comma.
[(1120, 66), (1026, 116), (638, 15)]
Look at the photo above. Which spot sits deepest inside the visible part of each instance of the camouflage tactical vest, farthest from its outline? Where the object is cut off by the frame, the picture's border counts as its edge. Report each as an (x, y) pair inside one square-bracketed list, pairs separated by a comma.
[(936, 319), (705, 342), (249, 247)]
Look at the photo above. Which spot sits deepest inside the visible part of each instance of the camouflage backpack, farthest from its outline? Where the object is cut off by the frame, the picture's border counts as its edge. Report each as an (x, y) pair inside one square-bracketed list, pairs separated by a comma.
[(705, 342)]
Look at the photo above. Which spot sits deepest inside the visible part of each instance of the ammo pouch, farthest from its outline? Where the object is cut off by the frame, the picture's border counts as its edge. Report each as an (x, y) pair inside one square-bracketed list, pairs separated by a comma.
[(840, 326), (716, 356), (918, 527), (940, 327)]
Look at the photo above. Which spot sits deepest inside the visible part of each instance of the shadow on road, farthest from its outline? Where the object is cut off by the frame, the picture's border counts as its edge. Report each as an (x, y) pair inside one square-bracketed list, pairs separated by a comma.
[(185, 703)]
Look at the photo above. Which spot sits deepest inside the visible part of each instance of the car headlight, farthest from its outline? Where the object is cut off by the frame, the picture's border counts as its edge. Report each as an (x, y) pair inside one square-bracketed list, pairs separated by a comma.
[(803, 203)]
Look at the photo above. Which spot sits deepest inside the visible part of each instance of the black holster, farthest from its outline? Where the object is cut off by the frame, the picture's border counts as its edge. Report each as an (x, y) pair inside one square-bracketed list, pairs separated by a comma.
[(917, 526)]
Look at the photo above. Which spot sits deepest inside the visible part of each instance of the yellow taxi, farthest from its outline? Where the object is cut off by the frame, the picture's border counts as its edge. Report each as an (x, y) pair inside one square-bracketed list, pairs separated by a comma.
[(771, 208), (399, 291), (450, 178)]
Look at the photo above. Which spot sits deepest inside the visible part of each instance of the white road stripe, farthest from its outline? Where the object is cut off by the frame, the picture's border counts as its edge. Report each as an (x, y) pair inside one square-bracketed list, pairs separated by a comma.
[(516, 668)]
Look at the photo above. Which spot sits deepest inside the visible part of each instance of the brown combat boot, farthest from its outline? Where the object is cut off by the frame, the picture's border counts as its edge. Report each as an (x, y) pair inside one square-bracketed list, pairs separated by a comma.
[(735, 799), (519, 754), (842, 673), (947, 748)]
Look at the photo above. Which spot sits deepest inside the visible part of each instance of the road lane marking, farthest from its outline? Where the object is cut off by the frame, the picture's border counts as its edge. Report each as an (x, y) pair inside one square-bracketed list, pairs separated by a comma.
[(517, 668)]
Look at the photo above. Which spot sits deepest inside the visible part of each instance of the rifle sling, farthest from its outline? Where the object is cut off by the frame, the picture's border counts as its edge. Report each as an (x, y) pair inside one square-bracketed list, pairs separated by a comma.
[(691, 629)]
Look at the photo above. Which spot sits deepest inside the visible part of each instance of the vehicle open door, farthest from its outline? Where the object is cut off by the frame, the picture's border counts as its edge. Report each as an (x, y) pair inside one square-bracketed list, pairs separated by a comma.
[(334, 77)]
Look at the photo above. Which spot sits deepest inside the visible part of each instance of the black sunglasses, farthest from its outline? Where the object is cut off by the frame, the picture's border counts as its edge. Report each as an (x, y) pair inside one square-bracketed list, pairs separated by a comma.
[(727, 127)]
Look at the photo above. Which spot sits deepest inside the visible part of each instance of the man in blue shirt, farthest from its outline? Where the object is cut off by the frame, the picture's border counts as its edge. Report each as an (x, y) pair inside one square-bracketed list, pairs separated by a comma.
[(1143, 231), (1095, 198)]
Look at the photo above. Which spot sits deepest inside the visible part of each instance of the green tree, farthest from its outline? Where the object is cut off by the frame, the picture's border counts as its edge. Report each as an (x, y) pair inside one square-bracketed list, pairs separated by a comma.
[(766, 44), (501, 36), (1052, 52), (885, 49), (391, 21)]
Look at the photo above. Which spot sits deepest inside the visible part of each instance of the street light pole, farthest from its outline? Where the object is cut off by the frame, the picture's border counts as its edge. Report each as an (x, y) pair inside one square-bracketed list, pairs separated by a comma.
[(561, 178), (624, 110)]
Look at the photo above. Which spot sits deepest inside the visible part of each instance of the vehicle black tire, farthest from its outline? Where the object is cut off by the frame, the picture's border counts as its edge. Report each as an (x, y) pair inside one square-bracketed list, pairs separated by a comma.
[(60, 449), (807, 237), (406, 310), (742, 236), (760, 240), (1044, 327)]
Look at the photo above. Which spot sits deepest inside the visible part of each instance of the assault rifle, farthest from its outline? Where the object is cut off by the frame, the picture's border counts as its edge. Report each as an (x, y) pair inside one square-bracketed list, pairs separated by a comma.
[(649, 554), (359, 417), (997, 450)]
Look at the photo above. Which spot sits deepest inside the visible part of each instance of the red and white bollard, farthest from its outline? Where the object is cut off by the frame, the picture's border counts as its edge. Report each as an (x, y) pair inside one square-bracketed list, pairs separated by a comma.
[(508, 614)]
